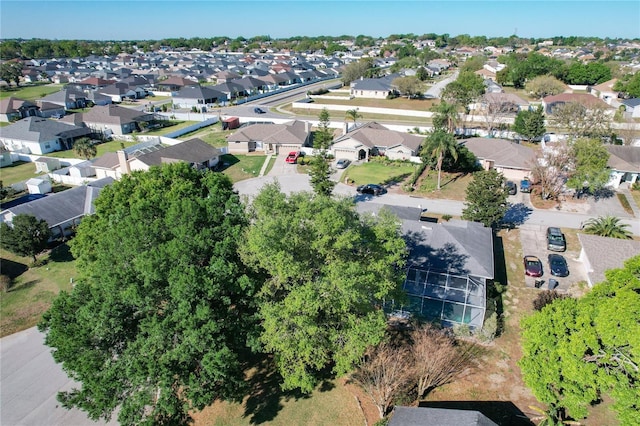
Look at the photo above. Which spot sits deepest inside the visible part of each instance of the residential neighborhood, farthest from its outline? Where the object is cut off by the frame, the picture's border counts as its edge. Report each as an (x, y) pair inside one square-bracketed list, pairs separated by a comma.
[(262, 218)]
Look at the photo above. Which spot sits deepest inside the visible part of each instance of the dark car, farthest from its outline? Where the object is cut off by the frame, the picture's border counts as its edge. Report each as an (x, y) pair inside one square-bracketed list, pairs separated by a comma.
[(558, 265), (555, 239), (370, 188), (511, 187), (258, 110), (532, 266)]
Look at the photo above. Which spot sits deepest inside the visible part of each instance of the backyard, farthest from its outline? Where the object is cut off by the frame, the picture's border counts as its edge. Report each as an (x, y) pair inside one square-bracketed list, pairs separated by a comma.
[(30, 93), (380, 172)]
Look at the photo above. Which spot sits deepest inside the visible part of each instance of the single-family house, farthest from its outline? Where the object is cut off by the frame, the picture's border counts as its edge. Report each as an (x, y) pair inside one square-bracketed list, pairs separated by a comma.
[(13, 109), (174, 84), (36, 135), (605, 91), (421, 416), (631, 107), (118, 92), (199, 97), (270, 138), (68, 97), (372, 139), (376, 88), (511, 159), (142, 156), (114, 119), (448, 267), (62, 211), (500, 103), (624, 162), (599, 254), (549, 103), (49, 110)]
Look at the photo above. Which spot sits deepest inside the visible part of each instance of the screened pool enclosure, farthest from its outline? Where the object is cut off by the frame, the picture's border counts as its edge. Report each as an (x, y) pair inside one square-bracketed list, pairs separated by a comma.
[(436, 295)]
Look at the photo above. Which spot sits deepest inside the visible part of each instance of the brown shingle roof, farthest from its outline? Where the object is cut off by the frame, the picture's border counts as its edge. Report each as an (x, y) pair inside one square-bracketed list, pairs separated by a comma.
[(606, 253), (294, 132), (504, 153)]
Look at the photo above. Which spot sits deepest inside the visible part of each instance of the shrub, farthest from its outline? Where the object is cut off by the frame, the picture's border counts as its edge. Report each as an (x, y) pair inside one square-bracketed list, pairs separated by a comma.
[(462, 330), (446, 217), (636, 186), (546, 297), (490, 328)]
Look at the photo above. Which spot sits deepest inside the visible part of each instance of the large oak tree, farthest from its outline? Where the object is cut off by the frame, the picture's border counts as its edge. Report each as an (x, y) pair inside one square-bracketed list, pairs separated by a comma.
[(327, 271), (158, 322)]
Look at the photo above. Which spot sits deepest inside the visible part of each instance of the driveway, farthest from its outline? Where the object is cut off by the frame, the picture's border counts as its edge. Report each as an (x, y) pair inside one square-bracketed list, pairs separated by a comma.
[(281, 167), (435, 90), (29, 382), (534, 243)]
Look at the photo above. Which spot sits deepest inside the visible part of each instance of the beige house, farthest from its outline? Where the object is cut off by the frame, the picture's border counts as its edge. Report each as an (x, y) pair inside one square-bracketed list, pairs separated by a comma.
[(513, 160), (196, 152), (112, 119), (375, 139), (270, 138)]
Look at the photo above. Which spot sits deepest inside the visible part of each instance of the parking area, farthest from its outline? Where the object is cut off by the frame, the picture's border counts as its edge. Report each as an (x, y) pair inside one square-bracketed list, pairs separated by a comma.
[(534, 243)]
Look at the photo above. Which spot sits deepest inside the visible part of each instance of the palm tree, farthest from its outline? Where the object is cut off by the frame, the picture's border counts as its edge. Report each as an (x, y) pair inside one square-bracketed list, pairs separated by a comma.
[(445, 117), (439, 145), (353, 115), (607, 226), (84, 148)]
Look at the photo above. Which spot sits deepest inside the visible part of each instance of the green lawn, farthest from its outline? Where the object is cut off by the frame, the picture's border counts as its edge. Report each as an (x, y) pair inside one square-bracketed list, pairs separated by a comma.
[(4, 123), (177, 125), (103, 148), (31, 93), (17, 172), (33, 288), (213, 135), (242, 167), (453, 186), (379, 172)]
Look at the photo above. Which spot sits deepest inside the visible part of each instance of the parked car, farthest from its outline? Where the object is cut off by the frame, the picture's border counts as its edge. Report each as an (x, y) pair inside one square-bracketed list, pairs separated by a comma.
[(511, 187), (532, 266), (558, 265), (525, 185), (292, 158), (371, 188), (555, 239), (258, 110), (342, 163)]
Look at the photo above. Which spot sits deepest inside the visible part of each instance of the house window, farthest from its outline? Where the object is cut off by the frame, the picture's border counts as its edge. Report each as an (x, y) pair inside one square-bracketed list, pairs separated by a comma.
[(47, 145)]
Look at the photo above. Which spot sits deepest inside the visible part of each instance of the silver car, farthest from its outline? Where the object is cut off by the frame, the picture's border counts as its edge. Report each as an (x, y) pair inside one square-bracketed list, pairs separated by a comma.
[(342, 163)]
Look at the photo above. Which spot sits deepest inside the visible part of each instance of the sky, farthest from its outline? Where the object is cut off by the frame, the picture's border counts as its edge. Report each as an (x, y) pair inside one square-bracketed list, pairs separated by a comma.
[(157, 19)]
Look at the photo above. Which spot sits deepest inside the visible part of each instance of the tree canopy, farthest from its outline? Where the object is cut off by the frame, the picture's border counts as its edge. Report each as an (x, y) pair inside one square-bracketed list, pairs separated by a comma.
[(327, 271), (576, 351), (85, 148), (590, 169), (411, 86), (26, 236), (438, 146), (486, 200), (530, 123), (11, 71), (163, 312), (466, 89), (545, 85)]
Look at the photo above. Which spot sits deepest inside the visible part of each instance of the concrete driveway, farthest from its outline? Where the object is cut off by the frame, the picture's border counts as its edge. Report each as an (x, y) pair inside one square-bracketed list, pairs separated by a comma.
[(29, 382), (534, 243)]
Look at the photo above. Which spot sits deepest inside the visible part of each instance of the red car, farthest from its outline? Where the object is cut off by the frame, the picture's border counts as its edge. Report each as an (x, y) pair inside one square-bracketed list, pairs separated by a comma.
[(532, 266), (292, 158)]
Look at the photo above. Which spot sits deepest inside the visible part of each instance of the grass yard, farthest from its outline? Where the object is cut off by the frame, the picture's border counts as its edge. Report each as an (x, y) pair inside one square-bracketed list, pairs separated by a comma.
[(379, 172), (103, 148), (213, 135), (453, 186), (397, 103), (241, 167), (331, 404), (32, 289), (17, 172), (635, 193), (30, 93), (176, 125)]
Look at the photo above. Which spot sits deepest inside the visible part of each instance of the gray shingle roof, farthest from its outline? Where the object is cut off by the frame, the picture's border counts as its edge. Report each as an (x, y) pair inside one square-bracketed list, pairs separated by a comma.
[(294, 132), (624, 158), (199, 92), (63, 206), (606, 253), (113, 114), (37, 129), (424, 416), (192, 151), (503, 152), (373, 135)]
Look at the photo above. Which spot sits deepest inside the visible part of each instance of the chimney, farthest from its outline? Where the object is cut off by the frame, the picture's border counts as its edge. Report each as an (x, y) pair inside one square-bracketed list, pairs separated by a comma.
[(306, 126), (124, 163)]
